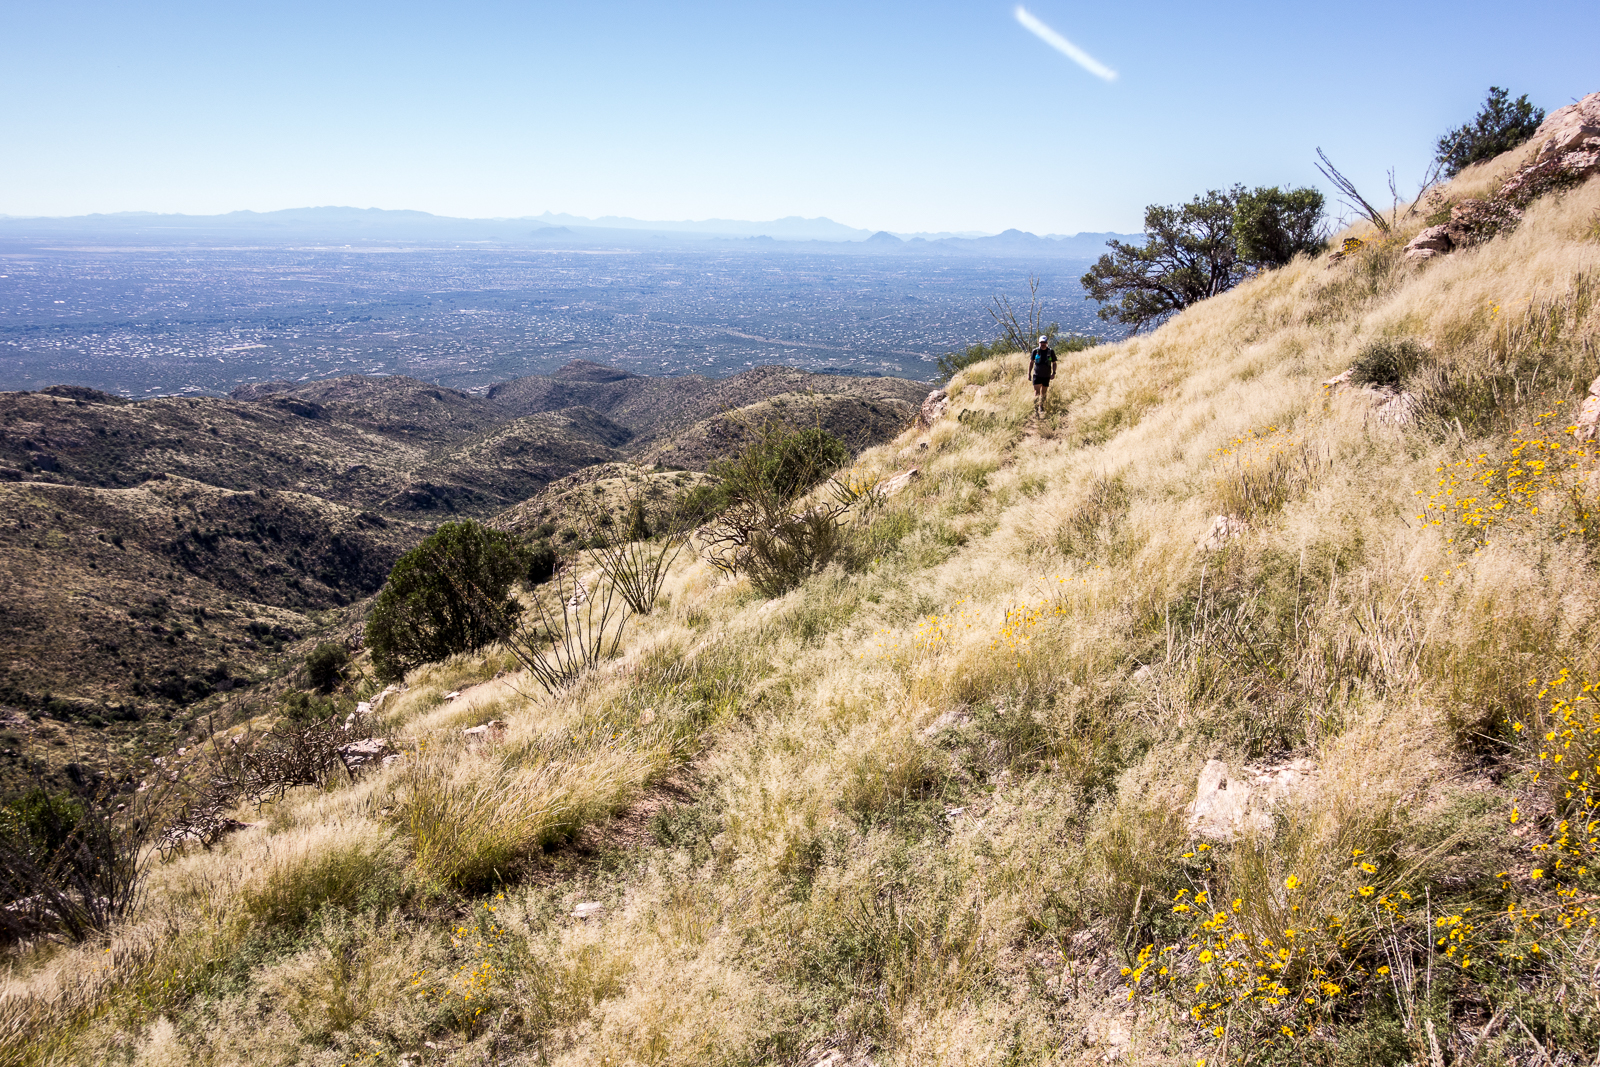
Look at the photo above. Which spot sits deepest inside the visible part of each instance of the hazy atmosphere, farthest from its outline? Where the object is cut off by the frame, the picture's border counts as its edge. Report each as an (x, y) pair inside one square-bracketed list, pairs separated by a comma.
[(944, 116)]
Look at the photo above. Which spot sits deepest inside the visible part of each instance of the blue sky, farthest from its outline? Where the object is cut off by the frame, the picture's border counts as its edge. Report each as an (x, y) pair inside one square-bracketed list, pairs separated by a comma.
[(927, 116)]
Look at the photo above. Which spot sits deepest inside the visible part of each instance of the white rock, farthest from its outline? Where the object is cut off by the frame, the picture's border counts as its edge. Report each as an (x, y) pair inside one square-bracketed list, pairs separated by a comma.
[(1224, 528), (361, 754), (364, 708), (492, 730), (933, 408), (452, 695), (590, 910), (1587, 426), (1226, 805), (890, 486)]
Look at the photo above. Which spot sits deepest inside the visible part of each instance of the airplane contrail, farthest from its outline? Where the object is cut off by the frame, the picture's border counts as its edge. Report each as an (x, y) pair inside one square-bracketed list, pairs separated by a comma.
[(1031, 23)]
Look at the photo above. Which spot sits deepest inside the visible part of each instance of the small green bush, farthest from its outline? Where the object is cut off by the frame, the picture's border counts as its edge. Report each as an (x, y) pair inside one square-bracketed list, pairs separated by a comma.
[(450, 594), (305, 708), (357, 875), (325, 666), (784, 462), (1499, 126), (1386, 363), (542, 561)]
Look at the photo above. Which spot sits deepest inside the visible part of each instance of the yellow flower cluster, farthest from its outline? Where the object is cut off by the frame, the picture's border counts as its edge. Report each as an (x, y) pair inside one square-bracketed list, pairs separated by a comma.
[(1283, 963), (472, 979), (1561, 748), (1543, 472)]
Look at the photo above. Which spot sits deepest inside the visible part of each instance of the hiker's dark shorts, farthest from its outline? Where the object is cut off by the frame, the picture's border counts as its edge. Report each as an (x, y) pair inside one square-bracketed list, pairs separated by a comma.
[(1041, 379)]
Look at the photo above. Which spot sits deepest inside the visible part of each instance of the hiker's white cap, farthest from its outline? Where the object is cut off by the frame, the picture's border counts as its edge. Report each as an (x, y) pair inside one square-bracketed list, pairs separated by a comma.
[(1042, 338)]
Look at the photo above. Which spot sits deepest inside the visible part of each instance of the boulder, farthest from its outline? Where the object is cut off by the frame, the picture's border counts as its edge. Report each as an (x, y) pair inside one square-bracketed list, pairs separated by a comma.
[(1393, 407), (1434, 241), (1224, 528), (933, 408), (1572, 134), (493, 730), (1226, 805), (890, 486), (365, 755), (1588, 421), (589, 910)]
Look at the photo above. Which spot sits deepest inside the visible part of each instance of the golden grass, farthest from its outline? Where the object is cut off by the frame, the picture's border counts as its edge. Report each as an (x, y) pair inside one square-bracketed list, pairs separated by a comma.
[(936, 799)]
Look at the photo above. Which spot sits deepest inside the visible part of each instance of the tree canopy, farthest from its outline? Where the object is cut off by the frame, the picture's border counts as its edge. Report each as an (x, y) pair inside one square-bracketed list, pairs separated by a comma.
[(450, 594), (1271, 225), (1500, 125), (1196, 250), (1188, 254)]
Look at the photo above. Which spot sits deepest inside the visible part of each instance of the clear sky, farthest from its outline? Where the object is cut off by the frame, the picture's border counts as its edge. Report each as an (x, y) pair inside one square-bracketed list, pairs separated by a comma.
[(936, 115)]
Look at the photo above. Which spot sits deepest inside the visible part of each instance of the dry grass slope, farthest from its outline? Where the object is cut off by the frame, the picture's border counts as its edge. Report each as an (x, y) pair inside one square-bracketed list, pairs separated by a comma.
[(935, 801)]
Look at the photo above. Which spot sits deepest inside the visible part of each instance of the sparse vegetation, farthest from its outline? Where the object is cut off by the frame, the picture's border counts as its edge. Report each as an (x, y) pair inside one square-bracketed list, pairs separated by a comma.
[(932, 807)]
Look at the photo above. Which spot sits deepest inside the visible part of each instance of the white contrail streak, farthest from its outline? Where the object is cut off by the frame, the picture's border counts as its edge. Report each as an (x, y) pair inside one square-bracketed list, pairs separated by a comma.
[(1031, 23)]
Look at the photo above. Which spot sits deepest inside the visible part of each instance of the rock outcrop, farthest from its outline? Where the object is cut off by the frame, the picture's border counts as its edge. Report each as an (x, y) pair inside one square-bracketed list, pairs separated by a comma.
[(1571, 135), (1587, 426), (1224, 528), (1568, 153), (933, 408), (1226, 805)]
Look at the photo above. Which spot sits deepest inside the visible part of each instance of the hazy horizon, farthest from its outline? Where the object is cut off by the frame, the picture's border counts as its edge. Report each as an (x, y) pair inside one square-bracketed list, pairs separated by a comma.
[(942, 117)]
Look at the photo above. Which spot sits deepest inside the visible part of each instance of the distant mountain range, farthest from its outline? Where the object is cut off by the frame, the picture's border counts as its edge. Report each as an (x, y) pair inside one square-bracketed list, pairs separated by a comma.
[(378, 226)]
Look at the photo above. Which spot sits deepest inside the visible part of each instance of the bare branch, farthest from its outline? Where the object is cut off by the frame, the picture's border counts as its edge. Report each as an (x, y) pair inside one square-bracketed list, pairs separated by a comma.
[(1353, 199)]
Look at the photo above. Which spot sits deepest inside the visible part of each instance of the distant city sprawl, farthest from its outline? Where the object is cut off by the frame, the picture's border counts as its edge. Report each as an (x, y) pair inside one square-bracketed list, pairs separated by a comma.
[(145, 322)]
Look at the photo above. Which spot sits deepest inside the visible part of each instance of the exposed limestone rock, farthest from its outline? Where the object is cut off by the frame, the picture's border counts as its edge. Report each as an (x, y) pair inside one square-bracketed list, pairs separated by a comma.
[(1390, 406), (1393, 407), (890, 486), (493, 730), (1572, 135), (1433, 241), (365, 755), (933, 408), (1226, 806), (1224, 528), (1569, 150), (590, 910), (1588, 421)]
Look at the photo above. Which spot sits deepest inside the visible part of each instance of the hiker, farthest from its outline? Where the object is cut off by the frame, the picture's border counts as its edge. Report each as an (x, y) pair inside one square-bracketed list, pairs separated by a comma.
[(1041, 368)]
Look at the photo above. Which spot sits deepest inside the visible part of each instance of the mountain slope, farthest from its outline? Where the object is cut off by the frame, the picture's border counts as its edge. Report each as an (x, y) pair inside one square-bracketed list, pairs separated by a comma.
[(656, 408), (1051, 767)]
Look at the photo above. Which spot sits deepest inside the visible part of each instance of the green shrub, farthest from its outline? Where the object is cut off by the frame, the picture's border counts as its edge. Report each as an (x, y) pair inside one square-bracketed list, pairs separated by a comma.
[(1500, 125), (450, 594), (68, 868), (354, 875), (305, 708), (784, 462), (1273, 225), (542, 561), (1386, 363), (325, 666)]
